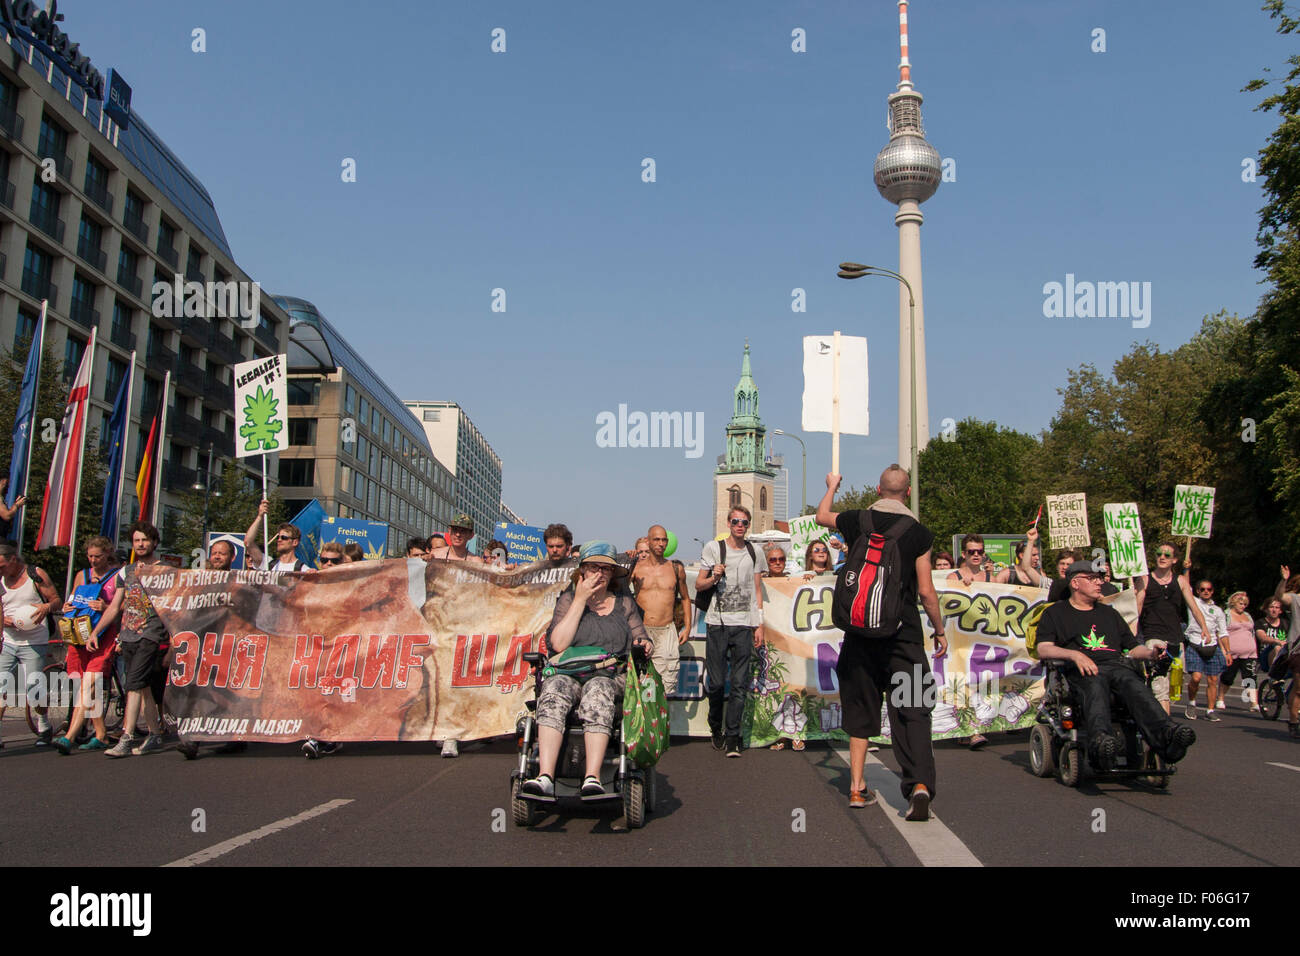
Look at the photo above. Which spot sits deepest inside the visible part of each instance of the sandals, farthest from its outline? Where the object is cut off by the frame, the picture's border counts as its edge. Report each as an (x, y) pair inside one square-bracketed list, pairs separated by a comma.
[(779, 745), (795, 745), (592, 787), (542, 785)]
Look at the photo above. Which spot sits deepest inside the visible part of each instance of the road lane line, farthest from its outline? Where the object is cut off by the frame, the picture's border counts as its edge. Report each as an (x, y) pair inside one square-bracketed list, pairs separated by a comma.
[(1284, 765), (932, 842), (234, 843)]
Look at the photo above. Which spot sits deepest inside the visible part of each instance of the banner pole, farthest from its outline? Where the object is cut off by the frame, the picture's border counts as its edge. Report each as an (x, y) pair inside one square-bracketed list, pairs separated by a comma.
[(266, 534), (835, 407), (38, 343), (121, 468), (81, 461), (162, 436)]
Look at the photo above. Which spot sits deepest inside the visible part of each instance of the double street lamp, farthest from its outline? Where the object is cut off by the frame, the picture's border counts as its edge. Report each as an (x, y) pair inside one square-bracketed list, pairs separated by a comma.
[(852, 270), (206, 486), (777, 431)]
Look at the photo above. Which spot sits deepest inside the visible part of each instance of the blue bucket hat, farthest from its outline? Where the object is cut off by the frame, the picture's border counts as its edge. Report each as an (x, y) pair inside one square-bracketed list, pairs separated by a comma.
[(601, 552)]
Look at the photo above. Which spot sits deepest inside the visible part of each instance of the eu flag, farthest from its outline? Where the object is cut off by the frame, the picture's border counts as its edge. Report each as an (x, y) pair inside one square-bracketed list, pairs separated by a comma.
[(26, 418), (116, 453)]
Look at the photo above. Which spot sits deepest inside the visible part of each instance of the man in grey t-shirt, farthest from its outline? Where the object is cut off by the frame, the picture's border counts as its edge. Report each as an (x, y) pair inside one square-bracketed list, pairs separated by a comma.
[(733, 622)]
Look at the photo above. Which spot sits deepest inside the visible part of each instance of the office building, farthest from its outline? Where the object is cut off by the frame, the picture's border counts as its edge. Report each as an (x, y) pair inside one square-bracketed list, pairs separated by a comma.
[(466, 453)]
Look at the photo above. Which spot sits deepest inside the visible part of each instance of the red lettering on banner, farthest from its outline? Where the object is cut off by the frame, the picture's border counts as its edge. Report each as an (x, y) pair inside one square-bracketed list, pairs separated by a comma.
[(306, 660), (342, 663), (214, 661), (408, 657), (380, 662), (248, 662), (186, 645), (515, 671), (475, 656)]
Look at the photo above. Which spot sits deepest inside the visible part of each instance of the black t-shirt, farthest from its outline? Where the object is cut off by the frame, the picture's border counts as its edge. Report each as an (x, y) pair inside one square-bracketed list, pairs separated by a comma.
[(1163, 610), (913, 543), (1100, 633)]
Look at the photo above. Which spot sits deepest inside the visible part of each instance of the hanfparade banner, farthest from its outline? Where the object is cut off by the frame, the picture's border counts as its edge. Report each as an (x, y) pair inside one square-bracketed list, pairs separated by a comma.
[(404, 650)]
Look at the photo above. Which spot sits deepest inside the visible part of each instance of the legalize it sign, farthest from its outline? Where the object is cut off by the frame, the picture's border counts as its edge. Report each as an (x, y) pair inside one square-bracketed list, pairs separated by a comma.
[(261, 406)]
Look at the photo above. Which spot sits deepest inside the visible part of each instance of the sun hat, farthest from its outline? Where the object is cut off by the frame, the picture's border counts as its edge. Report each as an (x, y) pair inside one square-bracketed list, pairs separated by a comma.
[(601, 552)]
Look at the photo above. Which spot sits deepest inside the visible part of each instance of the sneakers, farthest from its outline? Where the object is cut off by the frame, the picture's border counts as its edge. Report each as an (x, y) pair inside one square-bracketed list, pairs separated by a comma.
[(189, 749), (733, 747), (592, 787), (1221, 705), (152, 744), (63, 745), (1105, 755), (449, 749), (543, 785), (858, 799), (977, 741), (94, 743), (1189, 712), (719, 741), (328, 747), (1211, 715), (1182, 738), (918, 805), (311, 748), (122, 748), (45, 737)]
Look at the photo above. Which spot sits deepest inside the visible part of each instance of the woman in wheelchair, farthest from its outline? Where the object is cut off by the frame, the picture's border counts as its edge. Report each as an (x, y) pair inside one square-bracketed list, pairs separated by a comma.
[(1095, 639), (588, 615)]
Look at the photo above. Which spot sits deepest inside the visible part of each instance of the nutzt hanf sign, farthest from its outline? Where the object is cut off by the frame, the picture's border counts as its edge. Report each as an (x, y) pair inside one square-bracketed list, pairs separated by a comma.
[(1128, 557), (1193, 510), (1067, 521)]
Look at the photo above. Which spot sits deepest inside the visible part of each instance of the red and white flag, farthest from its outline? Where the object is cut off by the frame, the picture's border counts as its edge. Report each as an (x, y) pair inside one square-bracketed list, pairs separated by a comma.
[(59, 510)]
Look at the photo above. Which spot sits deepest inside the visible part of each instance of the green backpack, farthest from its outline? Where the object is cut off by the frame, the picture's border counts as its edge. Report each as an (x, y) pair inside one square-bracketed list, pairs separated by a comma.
[(645, 715)]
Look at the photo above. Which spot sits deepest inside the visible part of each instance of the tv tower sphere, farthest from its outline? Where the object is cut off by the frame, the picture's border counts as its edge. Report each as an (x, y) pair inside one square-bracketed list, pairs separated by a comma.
[(909, 167)]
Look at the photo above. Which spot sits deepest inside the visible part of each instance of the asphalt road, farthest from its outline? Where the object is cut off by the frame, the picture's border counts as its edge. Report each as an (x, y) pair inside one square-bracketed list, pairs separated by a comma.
[(403, 805)]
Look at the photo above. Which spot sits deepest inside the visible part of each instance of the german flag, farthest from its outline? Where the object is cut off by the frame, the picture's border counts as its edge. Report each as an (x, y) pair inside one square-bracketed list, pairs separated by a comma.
[(144, 481)]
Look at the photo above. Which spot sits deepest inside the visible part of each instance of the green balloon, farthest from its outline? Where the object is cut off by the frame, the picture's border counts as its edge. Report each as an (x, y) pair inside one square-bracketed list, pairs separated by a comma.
[(672, 545)]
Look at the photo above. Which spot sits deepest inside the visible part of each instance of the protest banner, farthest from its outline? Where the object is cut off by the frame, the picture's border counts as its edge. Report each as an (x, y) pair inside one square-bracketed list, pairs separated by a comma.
[(374, 650), (524, 543), (372, 536), (1067, 521), (1193, 510), (1128, 556)]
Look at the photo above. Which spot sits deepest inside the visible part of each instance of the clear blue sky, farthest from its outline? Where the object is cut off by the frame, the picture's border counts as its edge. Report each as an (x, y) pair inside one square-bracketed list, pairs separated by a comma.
[(522, 170)]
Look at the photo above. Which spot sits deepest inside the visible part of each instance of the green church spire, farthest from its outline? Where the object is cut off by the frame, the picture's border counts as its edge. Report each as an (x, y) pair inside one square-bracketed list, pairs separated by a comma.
[(745, 431)]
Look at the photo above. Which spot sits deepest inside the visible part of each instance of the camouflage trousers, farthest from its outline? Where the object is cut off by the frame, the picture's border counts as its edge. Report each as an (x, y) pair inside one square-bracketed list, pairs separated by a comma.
[(597, 700)]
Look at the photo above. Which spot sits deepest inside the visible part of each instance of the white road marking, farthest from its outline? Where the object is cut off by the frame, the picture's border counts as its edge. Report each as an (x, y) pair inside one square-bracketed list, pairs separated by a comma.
[(234, 843), (1287, 766), (932, 842)]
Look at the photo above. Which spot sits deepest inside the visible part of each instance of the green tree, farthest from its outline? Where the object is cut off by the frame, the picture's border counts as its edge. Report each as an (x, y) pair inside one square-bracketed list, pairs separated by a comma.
[(231, 506)]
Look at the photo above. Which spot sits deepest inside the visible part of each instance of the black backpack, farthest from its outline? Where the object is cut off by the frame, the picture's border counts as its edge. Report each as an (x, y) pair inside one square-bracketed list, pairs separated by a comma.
[(704, 598), (868, 599)]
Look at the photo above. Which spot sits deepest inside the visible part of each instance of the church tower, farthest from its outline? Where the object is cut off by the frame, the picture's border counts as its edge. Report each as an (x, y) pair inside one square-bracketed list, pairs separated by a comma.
[(743, 477)]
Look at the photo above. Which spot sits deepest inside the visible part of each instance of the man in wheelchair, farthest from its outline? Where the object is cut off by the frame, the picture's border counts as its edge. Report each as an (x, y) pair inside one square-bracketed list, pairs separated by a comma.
[(589, 617), (1096, 645)]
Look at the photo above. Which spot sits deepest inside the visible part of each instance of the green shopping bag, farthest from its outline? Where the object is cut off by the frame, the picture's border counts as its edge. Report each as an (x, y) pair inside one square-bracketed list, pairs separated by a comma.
[(645, 715)]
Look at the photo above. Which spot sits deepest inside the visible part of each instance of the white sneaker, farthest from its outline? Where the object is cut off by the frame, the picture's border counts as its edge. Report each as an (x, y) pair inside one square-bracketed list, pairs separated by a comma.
[(449, 749), (1221, 705)]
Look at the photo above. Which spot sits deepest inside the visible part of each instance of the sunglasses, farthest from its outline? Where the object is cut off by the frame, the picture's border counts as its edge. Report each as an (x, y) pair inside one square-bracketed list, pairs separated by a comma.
[(974, 550), (1205, 590), (331, 560), (460, 531), (1164, 554), (744, 521), (287, 537), (776, 560)]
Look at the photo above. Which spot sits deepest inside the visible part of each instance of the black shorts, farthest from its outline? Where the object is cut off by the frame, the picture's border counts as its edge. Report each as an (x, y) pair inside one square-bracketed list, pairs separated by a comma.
[(1245, 666), (866, 669), (143, 660)]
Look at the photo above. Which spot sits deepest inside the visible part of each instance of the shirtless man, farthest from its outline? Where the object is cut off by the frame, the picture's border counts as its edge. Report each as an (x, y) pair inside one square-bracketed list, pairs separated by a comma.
[(972, 562), (659, 584), (459, 533)]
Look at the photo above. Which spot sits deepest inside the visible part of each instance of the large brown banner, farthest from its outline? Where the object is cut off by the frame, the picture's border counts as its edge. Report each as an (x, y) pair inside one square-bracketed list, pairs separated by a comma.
[(376, 650)]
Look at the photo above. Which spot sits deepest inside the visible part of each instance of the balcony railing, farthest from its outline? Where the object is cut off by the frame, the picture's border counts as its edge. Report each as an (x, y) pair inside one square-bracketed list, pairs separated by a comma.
[(135, 226), (119, 335), (219, 394), (160, 358), (179, 478), (184, 427), (191, 377), (83, 314), (7, 194), (131, 283), (267, 334), (11, 123), (92, 255), (45, 220), (223, 346), (169, 254), (194, 275), (40, 287), (98, 193)]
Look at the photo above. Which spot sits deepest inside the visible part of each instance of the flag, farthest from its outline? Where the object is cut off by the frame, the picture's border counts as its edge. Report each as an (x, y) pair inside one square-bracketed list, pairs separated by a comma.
[(117, 425), (25, 421), (818, 384), (144, 483), (59, 509), (308, 522)]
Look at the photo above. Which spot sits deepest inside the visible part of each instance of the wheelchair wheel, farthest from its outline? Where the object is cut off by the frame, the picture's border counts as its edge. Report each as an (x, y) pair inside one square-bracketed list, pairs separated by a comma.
[(1270, 699), (634, 803), (1155, 762), (1042, 751), (1071, 766), (524, 812)]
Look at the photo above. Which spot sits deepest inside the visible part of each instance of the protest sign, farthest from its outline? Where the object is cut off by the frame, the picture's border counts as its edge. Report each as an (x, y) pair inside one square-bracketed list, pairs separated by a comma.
[(1193, 510), (1067, 521), (819, 385), (524, 543), (261, 406), (372, 536), (1128, 557), (804, 530)]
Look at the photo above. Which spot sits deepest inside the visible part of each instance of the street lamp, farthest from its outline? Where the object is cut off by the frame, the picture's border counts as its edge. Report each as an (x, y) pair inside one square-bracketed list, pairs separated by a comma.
[(777, 431), (852, 270), (205, 486)]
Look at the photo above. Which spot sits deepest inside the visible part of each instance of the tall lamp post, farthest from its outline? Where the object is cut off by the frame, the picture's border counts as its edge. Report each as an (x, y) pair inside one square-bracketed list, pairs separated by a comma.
[(804, 448), (852, 270), (205, 485)]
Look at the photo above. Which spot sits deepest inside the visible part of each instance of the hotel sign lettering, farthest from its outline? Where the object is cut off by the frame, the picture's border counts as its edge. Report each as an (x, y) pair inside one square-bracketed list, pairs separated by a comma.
[(40, 27)]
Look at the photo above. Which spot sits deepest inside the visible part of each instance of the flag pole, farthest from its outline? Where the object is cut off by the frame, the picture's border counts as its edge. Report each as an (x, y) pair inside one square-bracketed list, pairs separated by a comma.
[(162, 433), (835, 407), (38, 343), (266, 534), (121, 470), (81, 460)]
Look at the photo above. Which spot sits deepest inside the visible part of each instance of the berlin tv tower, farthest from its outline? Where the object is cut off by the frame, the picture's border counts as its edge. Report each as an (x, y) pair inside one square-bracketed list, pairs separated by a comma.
[(907, 173)]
